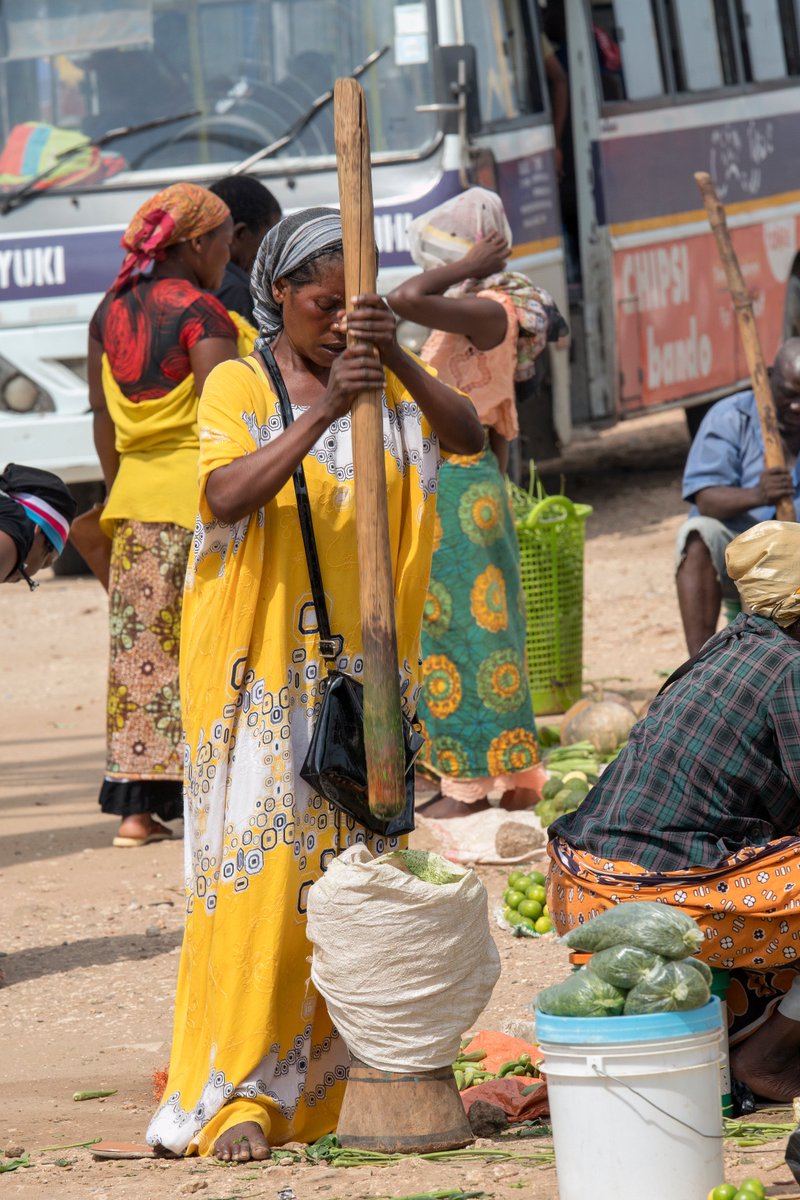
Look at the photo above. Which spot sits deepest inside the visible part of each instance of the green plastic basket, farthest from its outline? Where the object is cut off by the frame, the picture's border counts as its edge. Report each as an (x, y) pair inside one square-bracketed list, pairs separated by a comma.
[(551, 560)]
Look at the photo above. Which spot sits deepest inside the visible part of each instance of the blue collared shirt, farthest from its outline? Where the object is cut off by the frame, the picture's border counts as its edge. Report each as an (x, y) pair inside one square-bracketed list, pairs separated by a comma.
[(728, 451)]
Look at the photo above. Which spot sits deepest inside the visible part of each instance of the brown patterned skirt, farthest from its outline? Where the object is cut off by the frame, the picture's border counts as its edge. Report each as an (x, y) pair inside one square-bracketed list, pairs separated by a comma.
[(144, 762)]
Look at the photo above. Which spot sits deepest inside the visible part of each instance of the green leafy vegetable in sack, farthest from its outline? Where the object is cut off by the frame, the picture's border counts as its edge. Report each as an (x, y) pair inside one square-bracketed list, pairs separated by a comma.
[(703, 968), (583, 994), (426, 865), (671, 987), (624, 966), (645, 923)]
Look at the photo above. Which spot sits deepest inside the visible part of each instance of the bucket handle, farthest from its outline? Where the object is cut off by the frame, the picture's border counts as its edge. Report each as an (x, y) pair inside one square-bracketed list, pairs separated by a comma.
[(598, 1070)]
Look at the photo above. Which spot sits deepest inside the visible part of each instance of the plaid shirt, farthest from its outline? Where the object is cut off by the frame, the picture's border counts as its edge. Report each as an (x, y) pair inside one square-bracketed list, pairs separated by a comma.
[(712, 768)]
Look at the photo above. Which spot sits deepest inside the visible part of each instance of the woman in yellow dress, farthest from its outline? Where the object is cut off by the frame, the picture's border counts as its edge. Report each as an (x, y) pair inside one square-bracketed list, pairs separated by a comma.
[(255, 1058), (152, 341)]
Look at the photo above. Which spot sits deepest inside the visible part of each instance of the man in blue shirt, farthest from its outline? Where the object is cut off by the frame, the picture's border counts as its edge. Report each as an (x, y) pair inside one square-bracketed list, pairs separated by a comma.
[(730, 490)]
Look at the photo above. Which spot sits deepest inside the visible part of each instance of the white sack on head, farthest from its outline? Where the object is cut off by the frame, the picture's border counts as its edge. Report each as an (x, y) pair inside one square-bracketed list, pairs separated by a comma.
[(404, 966)]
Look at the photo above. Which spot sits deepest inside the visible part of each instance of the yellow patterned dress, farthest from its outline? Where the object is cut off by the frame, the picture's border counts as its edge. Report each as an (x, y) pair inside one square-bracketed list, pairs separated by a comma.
[(252, 1039)]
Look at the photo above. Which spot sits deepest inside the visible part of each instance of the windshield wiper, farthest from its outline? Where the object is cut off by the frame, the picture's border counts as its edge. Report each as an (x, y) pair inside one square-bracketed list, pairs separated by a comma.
[(27, 190), (301, 122)]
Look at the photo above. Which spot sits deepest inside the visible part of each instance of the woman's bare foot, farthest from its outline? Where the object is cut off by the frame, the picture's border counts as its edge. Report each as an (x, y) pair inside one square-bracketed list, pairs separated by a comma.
[(142, 826), (769, 1060), (242, 1143)]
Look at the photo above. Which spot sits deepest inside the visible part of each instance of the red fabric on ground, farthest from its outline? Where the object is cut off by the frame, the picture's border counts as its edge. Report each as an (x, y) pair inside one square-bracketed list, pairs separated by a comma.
[(507, 1094)]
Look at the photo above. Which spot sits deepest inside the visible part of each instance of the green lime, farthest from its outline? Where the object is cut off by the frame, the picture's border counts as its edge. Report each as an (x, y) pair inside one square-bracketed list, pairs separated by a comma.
[(530, 908), (537, 877), (516, 878), (754, 1186), (544, 925), (513, 917), (545, 911), (536, 892), (528, 924), (724, 1191), (514, 898)]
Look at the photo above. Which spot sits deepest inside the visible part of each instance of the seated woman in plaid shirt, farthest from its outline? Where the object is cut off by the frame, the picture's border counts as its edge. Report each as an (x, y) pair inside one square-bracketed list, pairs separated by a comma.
[(702, 810)]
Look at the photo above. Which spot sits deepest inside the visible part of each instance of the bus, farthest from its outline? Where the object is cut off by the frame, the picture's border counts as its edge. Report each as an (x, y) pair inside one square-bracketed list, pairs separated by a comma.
[(104, 102)]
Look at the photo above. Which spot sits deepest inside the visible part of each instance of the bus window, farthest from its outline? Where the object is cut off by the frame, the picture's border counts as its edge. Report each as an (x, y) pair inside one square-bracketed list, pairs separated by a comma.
[(703, 52), (507, 82), (762, 42), (630, 25)]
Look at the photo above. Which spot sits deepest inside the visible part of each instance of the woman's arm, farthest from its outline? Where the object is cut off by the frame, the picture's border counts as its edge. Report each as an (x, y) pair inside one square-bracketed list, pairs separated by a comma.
[(499, 446), (482, 320), (8, 555), (249, 482), (450, 413), (207, 354), (102, 425)]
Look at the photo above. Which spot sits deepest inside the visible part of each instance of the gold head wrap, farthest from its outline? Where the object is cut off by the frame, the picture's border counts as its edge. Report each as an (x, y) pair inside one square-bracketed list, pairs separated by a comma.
[(764, 563)]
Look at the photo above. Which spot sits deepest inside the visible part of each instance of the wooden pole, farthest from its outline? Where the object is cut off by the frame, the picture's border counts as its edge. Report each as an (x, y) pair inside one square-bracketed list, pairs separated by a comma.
[(383, 731), (774, 454)]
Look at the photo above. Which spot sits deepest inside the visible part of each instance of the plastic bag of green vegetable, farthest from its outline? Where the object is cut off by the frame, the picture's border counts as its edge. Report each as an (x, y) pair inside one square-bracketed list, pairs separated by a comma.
[(703, 968), (645, 923), (582, 994), (625, 966), (671, 987)]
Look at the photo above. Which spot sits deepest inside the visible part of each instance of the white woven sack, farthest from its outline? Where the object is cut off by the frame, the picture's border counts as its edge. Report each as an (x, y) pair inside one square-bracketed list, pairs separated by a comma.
[(404, 966)]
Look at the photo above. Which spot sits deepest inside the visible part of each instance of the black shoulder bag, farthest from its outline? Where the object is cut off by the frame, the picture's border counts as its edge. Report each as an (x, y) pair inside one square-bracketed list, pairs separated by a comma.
[(336, 763)]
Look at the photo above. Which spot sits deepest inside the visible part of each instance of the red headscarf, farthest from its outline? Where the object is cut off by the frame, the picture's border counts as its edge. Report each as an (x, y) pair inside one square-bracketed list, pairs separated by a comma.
[(179, 212)]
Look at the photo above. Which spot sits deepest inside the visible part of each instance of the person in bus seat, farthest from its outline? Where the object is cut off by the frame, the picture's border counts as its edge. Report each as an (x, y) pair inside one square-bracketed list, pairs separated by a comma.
[(730, 490), (153, 340), (36, 511), (254, 210)]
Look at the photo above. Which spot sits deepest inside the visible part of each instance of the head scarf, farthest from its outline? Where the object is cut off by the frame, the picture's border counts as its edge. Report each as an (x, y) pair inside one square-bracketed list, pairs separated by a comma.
[(47, 501), (179, 212), (446, 233), (764, 562), (293, 242)]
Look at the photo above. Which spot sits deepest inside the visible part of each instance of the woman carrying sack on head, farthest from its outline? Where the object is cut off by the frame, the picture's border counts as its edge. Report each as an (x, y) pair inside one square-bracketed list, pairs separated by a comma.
[(153, 340), (489, 327), (255, 1059)]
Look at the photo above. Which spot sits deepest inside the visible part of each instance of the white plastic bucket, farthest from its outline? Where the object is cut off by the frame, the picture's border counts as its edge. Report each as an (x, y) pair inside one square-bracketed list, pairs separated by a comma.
[(635, 1104)]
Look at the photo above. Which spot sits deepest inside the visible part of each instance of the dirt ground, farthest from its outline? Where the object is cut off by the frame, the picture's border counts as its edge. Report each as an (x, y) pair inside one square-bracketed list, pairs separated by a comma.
[(90, 936)]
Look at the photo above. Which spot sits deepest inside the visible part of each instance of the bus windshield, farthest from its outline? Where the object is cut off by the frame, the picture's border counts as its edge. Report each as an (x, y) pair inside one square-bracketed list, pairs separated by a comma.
[(70, 70)]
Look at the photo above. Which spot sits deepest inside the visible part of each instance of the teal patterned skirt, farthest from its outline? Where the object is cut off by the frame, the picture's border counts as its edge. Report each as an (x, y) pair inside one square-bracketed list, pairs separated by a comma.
[(475, 705)]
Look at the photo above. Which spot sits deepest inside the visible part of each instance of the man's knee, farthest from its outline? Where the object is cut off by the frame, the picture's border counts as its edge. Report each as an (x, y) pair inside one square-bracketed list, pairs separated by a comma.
[(695, 552)]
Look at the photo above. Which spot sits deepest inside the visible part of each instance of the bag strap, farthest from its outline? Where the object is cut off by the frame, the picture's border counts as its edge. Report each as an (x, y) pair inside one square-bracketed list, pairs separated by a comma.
[(331, 645)]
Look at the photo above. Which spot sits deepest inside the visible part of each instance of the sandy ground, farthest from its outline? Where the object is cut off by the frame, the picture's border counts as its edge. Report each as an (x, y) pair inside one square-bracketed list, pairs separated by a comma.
[(90, 935)]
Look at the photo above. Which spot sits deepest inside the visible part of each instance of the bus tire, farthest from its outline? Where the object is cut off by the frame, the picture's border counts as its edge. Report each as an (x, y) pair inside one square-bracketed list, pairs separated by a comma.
[(69, 562)]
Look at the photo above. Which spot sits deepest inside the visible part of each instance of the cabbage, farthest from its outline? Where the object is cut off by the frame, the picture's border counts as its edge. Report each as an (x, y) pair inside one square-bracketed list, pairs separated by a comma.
[(644, 923), (703, 968), (582, 994), (671, 987), (624, 966)]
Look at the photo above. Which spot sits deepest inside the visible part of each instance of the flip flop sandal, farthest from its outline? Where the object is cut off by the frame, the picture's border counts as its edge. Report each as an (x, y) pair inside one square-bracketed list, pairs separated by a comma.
[(129, 842), (124, 1150)]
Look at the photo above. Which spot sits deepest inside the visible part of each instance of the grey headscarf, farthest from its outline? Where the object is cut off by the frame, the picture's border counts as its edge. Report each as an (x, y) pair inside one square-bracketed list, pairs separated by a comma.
[(293, 242)]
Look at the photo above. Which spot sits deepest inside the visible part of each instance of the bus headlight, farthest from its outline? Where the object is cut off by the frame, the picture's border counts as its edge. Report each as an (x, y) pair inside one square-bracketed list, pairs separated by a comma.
[(19, 394)]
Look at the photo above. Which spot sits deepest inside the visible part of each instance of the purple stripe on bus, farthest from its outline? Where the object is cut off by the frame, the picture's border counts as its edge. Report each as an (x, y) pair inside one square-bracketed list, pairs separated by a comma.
[(651, 175)]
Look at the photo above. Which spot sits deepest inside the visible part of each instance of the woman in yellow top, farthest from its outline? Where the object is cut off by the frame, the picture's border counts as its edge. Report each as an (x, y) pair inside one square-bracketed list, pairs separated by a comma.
[(152, 342), (255, 1058)]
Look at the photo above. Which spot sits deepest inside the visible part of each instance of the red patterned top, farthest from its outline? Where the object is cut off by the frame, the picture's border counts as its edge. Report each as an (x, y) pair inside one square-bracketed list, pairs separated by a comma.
[(148, 328)]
